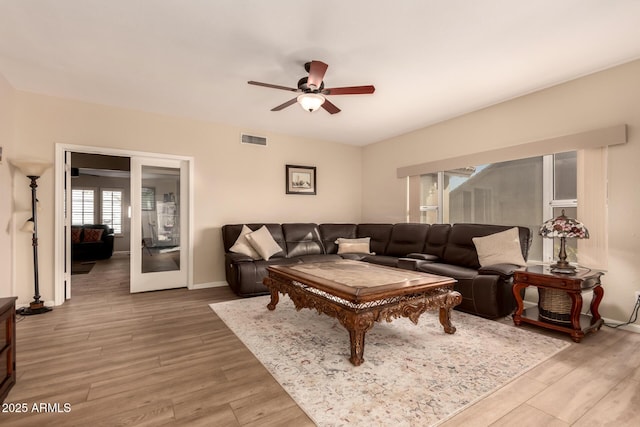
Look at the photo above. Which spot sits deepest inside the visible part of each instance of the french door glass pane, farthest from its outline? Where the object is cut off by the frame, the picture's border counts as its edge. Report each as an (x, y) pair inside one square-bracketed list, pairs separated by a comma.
[(160, 219)]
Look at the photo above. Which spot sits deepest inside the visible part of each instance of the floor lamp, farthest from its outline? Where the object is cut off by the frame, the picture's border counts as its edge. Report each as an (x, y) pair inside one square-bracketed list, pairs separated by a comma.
[(33, 170)]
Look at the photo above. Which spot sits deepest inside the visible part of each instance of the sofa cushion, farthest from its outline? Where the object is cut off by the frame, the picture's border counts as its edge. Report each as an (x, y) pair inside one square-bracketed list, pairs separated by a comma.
[(263, 243), (92, 235), (230, 233), (460, 249), (389, 261), (242, 245), (331, 232), (76, 234), (406, 238), (448, 270), (302, 239), (436, 241), (354, 246), (500, 248), (379, 234)]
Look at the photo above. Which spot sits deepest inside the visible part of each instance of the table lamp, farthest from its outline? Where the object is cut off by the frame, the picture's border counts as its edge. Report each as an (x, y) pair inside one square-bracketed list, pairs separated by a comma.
[(563, 227)]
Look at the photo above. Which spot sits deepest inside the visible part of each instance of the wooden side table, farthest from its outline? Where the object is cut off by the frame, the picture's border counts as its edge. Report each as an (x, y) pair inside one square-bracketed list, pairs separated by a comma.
[(573, 285)]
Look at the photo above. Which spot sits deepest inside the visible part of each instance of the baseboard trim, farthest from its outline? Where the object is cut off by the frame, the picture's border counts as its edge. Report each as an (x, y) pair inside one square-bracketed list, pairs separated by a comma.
[(218, 284)]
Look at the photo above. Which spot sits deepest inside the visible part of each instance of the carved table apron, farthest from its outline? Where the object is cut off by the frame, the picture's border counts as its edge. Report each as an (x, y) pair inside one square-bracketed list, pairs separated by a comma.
[(359, 294)]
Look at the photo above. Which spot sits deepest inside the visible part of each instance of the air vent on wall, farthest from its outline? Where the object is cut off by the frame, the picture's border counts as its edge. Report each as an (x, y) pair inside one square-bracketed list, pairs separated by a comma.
[(252, 139)]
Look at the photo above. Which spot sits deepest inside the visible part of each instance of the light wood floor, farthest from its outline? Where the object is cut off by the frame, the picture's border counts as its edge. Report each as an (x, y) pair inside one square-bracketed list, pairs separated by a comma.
[(165, 359)]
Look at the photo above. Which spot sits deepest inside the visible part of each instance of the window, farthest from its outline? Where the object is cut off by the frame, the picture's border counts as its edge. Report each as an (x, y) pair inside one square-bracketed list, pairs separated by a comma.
[(82, 206), (519, 192), (112, 209), (563, 197), (148, 199)]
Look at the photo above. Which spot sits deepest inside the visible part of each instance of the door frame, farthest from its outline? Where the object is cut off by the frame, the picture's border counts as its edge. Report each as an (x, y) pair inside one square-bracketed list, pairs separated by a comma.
[(62, 240)]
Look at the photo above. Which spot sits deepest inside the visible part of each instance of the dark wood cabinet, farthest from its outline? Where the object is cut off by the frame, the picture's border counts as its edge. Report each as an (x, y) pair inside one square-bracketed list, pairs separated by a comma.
[(7, 345)]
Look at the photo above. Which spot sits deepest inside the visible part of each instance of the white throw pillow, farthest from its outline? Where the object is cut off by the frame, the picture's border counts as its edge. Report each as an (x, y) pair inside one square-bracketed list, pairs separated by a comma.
[(500, 248), (242, 246), (354, 246), (262, 241)]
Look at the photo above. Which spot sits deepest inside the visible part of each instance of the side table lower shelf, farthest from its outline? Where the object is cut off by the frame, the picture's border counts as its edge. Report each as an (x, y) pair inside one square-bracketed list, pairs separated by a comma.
[(587, 324)]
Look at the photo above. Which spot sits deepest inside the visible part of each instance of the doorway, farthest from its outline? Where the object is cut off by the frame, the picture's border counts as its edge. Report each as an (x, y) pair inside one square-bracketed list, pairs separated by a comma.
[(100, 221), (176, 219)]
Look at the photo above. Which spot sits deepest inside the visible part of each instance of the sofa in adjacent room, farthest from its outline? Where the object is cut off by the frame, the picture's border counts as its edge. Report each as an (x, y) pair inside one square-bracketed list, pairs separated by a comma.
[(91, 242), (484, 278)]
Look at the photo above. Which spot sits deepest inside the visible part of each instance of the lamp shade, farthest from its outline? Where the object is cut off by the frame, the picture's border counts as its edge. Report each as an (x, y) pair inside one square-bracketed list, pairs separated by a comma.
[(310, 101), (563, 226), (29, 226), (31, 167)]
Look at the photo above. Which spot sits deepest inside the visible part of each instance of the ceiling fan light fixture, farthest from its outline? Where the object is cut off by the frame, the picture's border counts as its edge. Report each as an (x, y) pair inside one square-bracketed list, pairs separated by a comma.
[(310, 101)]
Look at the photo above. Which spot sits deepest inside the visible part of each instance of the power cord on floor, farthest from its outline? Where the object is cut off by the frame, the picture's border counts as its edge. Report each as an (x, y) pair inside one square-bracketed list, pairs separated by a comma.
[(632, 318), (20, 314)]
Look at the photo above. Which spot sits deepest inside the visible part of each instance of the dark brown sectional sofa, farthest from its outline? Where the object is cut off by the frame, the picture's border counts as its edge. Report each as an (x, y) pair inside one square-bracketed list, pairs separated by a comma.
[(442, 249)]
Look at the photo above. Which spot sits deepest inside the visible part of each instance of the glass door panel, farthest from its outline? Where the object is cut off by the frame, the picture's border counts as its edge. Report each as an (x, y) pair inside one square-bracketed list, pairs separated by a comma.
[(160, 208), (160, 218)]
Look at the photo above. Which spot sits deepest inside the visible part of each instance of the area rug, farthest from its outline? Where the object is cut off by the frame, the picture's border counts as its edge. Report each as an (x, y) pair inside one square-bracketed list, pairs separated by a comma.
[(411, 375)]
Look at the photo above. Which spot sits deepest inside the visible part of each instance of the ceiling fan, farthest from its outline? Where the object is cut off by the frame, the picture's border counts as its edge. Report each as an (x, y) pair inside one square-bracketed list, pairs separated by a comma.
[(313, 90)]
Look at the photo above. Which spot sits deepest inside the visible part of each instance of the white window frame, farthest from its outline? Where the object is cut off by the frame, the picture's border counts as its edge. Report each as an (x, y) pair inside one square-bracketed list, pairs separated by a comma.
[(94, 190), (102, 218)]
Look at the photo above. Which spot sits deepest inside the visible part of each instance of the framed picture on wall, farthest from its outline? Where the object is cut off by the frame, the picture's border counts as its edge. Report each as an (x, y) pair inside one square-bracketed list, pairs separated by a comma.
[(301, 179)]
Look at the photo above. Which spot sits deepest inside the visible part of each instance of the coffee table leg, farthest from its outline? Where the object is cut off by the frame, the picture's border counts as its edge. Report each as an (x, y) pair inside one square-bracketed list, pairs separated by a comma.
[(445, 320), (274, 300), (357, 346), (357, 325)]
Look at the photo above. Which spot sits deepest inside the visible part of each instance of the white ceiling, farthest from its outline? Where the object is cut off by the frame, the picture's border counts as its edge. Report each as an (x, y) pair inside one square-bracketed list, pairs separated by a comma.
[(429, 60)]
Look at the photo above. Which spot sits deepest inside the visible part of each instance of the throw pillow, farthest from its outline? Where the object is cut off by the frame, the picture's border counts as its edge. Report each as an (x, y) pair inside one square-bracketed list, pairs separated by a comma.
[(500, 248), (262, 241), (75, 234), (242, 246), (92, 235), (354, 246)]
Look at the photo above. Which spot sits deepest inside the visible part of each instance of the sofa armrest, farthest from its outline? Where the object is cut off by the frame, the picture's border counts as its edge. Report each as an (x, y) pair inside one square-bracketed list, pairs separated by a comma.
[(505, 271), (234, 257), (423, 257), (408, 263)]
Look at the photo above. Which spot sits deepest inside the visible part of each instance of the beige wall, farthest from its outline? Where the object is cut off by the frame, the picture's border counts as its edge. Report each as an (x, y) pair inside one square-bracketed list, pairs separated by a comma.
[(600, 100), (233, 182), (7, 103)]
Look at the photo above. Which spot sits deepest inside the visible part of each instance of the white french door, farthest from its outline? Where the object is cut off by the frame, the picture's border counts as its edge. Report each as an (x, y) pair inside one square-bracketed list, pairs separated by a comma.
[(159, 223)]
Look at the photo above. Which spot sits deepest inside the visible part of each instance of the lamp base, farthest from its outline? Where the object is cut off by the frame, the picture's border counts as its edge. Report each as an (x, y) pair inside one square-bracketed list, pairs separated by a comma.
[(562, 268), (34, 308)]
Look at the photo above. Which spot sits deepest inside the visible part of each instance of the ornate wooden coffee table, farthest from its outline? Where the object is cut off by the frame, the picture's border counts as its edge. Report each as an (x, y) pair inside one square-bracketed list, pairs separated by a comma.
[(359, 294)]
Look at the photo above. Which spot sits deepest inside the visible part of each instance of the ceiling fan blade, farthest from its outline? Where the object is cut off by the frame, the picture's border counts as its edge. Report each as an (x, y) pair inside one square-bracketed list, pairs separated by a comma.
[(350, 90), (285, 105), (332, 109), (251, 82), (316, 73)]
